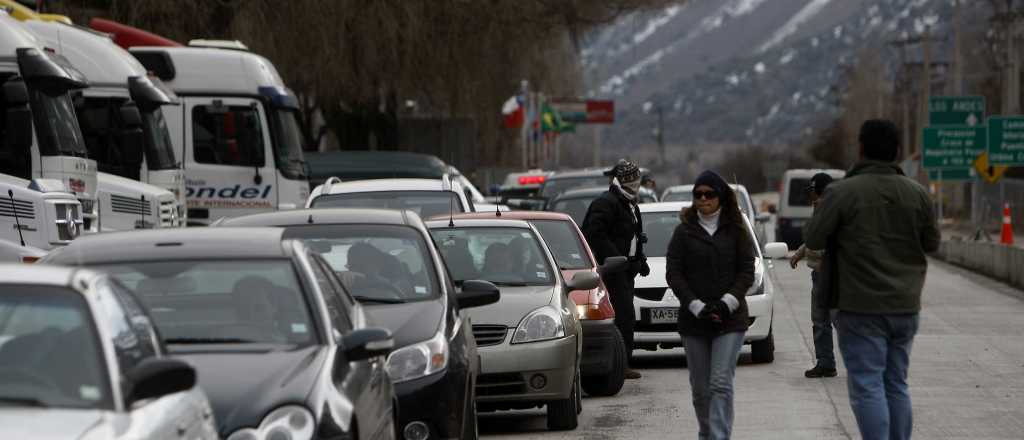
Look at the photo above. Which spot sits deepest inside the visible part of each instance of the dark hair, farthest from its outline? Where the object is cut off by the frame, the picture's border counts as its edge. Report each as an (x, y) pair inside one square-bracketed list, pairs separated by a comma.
[(879, 140)]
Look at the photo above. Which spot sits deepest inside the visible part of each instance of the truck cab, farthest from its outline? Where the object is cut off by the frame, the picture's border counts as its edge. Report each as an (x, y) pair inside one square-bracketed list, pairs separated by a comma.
[(41, 138), (236, 131), (140, 183)]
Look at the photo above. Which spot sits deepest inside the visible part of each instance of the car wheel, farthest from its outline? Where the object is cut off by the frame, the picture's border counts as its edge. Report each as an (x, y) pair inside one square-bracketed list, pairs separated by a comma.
[(563, 415), (611, 383), (763, 351), (470, 430)]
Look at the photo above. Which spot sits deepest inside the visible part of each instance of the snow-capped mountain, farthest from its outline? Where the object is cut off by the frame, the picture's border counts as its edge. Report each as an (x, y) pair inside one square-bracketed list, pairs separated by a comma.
[(742, 71)]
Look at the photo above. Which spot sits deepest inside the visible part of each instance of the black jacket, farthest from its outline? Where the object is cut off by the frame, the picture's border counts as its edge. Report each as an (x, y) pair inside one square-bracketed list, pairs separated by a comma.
[(610, 225), (706, 267)]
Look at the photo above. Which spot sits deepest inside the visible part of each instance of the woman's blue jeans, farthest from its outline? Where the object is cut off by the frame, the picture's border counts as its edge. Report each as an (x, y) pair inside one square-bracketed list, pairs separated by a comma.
[(712, 365)]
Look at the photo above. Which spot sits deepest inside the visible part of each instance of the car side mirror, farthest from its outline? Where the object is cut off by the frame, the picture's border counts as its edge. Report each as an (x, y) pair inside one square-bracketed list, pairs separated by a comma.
[(367, 343), (583, 281), (776, 250), (158, 377), (612, 265), (476, 293)]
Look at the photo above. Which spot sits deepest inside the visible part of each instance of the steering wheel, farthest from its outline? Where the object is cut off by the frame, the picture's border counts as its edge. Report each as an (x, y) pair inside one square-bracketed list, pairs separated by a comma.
[(8, 374)]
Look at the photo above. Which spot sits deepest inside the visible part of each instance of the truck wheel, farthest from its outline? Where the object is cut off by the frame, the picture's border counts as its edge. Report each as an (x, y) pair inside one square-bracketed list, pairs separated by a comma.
[(563, 415), (763, 351), (611, 383)]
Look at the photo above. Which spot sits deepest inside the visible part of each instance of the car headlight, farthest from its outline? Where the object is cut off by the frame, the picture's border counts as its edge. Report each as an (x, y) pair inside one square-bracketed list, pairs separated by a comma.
[(419, 360), (759, 282), (542, 324), (285, 423)]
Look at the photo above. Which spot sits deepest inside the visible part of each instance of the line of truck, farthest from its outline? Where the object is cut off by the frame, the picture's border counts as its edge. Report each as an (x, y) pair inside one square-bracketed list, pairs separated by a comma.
[(121, 129)]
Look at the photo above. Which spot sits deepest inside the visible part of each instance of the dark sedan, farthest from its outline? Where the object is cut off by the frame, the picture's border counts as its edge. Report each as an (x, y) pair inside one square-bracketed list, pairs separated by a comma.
[(282, 350), (388, 261)]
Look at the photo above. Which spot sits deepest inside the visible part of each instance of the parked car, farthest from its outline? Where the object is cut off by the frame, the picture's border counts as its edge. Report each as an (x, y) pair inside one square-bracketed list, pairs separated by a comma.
[(79, 358), (529, 342), (390, 264), (425, 197), (657, 307), (562, 181), (603, 365), (365, 165), (522, 189), (795, 204), (576, 202), (281, 348)]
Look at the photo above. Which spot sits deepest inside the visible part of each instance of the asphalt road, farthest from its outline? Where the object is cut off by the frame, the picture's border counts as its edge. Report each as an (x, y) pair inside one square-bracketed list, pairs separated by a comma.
[(967, 376)]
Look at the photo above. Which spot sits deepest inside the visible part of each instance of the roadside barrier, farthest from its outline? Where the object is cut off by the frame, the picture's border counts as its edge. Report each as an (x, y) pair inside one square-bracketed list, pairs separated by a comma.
[(1004, 263)]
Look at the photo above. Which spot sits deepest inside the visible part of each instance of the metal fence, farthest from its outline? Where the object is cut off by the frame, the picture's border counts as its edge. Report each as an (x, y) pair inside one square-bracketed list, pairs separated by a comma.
[(991, 197)]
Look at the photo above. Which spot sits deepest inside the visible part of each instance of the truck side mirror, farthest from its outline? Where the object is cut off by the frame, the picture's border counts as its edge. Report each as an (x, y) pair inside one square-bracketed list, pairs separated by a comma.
[(18, 127)]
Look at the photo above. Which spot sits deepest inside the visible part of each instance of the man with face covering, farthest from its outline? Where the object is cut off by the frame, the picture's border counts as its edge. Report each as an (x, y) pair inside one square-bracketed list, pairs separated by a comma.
[(613, 228)]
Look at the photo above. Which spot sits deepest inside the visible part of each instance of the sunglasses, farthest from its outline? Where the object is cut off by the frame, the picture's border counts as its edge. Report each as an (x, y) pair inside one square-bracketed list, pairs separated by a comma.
[(706, 195)]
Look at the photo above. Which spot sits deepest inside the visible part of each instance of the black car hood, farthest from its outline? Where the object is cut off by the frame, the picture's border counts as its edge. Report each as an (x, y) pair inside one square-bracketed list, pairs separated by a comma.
[(244, 386), (409, 322)]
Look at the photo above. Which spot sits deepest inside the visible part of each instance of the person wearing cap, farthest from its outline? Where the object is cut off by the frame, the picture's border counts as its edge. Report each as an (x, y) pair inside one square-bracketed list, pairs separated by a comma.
[(710, 267), (821, 319), (876, 227), (613, 227)]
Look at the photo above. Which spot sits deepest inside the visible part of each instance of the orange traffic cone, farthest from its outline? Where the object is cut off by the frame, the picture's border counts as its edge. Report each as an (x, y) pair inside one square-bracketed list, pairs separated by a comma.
[(1007, 236)]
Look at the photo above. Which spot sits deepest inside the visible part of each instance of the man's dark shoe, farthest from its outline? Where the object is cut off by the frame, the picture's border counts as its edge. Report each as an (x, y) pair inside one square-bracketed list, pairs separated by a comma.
[(632, 374), (818, 371)]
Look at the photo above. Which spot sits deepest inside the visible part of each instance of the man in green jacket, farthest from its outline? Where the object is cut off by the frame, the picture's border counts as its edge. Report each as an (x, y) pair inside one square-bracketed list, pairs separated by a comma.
[(876, 226)]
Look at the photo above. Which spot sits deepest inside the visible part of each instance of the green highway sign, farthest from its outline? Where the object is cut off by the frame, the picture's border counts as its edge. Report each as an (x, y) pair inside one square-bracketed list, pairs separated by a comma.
[(952, 174), (956, 110), (1006, 140), (953, 147)]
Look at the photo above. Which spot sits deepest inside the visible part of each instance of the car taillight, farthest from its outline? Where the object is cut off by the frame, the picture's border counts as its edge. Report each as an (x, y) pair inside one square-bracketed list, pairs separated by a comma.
[(29, 259), (531, 180)]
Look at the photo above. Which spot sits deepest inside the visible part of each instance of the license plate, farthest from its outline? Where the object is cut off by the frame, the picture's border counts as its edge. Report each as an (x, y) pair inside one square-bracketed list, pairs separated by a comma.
[(664, 315)]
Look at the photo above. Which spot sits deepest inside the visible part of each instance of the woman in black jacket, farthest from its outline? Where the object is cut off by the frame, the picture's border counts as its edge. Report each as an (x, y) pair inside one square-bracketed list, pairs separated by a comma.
[(710, 266)]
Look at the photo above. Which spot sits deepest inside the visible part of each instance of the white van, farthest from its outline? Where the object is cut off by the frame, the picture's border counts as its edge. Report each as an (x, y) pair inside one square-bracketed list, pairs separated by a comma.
[(236, 131), (795, 205)]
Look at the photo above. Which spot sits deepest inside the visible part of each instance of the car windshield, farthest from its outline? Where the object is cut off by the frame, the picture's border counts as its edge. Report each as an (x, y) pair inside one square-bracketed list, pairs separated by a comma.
[(678, 196), (57, 129), (159, 150), (798, 195), (50, 354), (565, 244), (659, 227), (288, 143), (503, 256), (425, 203), (555, 186), (222, 301), (377, 263), (576, 207)]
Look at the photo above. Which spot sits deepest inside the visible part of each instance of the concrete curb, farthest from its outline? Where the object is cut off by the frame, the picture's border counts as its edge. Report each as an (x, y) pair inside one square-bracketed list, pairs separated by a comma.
[(1004, 263)]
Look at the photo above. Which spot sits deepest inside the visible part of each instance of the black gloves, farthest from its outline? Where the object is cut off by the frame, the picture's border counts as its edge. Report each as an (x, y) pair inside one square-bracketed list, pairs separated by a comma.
[(722, 309), (706, 312), (644, 268)]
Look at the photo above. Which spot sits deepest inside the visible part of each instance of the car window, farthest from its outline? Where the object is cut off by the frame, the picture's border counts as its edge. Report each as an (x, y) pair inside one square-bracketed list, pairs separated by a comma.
[(50, 351), (504, 256), (424, 203), (659, 227), (556, 186), (141, 325), (678, 196), (576, 207), (336, 309), (127, 347), (798, 192), (227, 135), (375, 263), (565, 244), (222, 301)]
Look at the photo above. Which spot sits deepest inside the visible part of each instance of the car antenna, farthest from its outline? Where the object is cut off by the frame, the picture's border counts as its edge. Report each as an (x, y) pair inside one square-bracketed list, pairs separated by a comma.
[(451, 212), (497, 210), (310, 219), (142, 212), (17, 221)]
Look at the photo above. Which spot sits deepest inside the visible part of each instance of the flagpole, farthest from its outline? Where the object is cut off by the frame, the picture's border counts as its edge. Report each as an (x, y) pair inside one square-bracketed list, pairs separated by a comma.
[(524, 131)]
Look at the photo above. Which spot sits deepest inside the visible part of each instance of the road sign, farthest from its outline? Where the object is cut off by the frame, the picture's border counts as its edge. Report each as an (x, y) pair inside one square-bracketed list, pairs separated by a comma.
[(956, 110), (953, 147), (990, 173), (1006, 140), (585, 111), (952, 175)]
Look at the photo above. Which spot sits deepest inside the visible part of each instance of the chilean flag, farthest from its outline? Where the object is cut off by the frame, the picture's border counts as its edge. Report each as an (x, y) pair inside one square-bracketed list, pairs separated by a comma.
[(513, 112)]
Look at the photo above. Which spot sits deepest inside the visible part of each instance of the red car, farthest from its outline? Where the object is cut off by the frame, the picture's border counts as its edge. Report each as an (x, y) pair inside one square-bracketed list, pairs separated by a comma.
[(603, 363)]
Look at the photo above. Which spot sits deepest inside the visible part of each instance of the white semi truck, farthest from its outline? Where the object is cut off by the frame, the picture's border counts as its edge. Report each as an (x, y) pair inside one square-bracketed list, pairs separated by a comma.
[(236, 131), (122, 122)]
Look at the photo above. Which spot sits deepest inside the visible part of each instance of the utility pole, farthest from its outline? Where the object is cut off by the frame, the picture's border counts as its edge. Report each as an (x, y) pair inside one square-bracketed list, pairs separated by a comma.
[(660, 135), (926, 87)]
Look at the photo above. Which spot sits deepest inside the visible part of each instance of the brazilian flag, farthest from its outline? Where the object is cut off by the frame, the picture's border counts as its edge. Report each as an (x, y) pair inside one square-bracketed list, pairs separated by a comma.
[(551, 121)]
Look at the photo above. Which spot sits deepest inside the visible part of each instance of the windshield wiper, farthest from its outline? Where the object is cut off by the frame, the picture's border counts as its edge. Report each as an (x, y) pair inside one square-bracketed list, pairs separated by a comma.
[(23, 401), (206, 341), (510, 283), (364, 298)]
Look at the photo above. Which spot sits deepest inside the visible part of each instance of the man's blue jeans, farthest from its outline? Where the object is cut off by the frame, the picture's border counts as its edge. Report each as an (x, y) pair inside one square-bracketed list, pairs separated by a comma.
[(876, 351), (821, 323)]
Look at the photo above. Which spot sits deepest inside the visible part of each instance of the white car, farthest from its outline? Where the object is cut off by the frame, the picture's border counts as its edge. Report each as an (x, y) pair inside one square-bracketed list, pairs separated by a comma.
[(657, 308), (79, 358), (426, 197)]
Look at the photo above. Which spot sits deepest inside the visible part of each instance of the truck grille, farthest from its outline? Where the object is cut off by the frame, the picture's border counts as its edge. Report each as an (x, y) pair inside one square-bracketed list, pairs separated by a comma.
[(70, 226), (23, 208), (651, 293), (129, 205), (489, 334), (168, 214), (500, 384)]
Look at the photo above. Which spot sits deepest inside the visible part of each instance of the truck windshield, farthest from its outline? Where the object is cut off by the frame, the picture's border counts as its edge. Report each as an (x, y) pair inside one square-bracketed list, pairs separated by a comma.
[(56, 125), (159, 151), (287, 143)]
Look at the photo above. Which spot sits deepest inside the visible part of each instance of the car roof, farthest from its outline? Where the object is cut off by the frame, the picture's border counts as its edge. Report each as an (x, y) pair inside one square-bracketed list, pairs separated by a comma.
[(585, 172), (664, 206), (375, 185), (171, 244), (689, 187), (511, 215), (489, 222), (592, 191), (326, 216), (37, 274), (383, 163)]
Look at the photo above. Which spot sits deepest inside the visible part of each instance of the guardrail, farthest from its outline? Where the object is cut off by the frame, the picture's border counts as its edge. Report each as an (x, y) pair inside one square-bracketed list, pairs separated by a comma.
[(1004, 263)]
